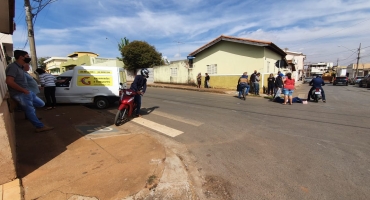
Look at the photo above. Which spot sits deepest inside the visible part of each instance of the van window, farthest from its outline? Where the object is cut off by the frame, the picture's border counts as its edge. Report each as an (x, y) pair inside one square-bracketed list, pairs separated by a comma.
[(63, 81)]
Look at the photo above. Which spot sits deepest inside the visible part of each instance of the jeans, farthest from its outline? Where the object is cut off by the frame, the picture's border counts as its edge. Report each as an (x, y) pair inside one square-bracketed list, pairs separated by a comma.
[(313, 88), (256, 88), (49, 93), (246, 91), (138, 103), (28, 102)]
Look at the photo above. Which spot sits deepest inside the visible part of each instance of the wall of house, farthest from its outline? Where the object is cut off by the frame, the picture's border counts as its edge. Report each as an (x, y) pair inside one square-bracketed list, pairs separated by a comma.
[(7, 132), (109, 62), (232, 59), (177, 72), (83, 60)]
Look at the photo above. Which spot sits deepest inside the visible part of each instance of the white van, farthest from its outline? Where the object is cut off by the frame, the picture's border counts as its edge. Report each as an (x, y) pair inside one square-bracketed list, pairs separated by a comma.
[(99, 85)]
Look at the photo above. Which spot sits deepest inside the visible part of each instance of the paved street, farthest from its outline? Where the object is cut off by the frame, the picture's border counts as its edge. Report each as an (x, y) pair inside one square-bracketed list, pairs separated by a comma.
[(258, 149)]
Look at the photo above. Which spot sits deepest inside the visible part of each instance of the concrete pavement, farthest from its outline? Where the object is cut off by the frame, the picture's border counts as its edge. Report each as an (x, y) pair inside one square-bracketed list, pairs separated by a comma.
[(87, 157)]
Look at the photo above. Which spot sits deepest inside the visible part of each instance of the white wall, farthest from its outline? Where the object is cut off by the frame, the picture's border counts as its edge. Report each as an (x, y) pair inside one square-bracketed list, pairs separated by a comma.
[(162, 74)]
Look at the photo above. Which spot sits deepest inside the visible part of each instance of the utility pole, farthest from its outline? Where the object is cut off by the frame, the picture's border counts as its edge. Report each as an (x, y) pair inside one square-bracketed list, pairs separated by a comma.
[(358, 60), (337, 62), (31, 38)]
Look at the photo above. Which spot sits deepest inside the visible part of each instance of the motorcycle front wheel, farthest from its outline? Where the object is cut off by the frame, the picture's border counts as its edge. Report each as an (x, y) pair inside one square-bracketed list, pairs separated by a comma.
[(121, 117)]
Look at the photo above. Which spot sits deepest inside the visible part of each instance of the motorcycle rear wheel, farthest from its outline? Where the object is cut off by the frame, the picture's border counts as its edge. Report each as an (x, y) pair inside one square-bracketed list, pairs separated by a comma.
[(121, 117)]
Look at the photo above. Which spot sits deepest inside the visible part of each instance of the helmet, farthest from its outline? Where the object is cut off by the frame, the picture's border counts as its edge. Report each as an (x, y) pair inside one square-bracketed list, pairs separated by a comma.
[(318, 76), (145, 72)]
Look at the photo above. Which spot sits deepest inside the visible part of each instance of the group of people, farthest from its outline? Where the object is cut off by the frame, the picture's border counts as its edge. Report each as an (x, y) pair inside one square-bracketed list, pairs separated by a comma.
[(252, 84), (206, 80), (23, 88), (276, 85)]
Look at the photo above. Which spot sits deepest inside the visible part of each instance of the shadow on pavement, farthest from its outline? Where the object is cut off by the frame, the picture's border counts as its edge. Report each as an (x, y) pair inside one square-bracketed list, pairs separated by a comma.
[(36, 149)]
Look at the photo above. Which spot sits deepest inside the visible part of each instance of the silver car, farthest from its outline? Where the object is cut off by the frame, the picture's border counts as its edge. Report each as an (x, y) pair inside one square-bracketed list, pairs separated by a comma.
[(307, 79)]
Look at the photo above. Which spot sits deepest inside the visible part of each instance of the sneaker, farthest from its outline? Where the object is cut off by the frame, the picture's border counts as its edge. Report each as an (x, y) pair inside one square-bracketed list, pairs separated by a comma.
[(137, 115), (45, 128), (324, 101)]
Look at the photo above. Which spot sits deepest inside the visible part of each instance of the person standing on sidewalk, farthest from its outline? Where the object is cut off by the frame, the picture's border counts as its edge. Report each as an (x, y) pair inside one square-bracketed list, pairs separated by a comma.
[(17, 85), (278, 85), (206, 81), (48, 83), (139, 86), (289, 84), (31, 83), (199, 80), (270, 84), (257, 85)]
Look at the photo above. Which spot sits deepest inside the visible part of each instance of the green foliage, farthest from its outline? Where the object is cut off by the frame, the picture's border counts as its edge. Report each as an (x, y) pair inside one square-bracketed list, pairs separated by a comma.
[(124, 42), (40, 62), (140, 54)]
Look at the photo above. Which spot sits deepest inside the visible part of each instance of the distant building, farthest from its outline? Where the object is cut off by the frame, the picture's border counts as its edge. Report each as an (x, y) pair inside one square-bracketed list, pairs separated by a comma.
[(53, 64), (318, 68), (295, 63), (363, 69)]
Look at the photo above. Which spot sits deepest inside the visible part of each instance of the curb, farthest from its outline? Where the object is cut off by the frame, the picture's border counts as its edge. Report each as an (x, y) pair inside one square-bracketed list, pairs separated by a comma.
[(189, 89)]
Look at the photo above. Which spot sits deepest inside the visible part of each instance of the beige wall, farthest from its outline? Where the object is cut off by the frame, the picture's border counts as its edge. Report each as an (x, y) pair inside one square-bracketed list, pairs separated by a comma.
[(108, 62), (162, 74), (7, 145), (231, 58)]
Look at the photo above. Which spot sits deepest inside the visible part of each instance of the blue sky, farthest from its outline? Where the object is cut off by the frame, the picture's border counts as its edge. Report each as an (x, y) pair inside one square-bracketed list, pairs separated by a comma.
[(176, 28)]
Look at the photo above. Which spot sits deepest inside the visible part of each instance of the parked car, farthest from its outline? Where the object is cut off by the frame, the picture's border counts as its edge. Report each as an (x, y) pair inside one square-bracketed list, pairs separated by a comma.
[(353, 81), (364, 82), (341, 80), (307, 79)]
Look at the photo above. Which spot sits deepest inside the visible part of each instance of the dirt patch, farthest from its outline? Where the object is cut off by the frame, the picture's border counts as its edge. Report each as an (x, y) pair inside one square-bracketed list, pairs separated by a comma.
[(216, 188)]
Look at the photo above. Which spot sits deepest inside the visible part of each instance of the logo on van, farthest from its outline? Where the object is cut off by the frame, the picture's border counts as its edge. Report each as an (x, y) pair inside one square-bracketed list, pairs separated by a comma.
[(83, 81)]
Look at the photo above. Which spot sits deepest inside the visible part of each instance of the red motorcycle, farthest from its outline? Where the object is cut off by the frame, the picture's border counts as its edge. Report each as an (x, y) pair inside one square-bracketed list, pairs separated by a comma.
[(126, 107)]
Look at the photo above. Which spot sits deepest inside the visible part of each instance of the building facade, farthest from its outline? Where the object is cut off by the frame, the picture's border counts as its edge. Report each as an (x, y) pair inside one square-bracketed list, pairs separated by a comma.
[(226, 58), (363, 69), (53, 64), (295, 63), (8, 156), (320, 68)]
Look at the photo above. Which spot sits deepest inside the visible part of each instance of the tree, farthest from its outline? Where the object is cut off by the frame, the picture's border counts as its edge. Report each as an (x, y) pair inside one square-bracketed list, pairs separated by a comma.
[(40, 62), (140, 54), (124, 42)]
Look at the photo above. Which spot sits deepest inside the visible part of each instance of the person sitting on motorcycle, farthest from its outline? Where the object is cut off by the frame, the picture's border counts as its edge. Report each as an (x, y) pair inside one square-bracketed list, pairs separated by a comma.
[(139, 86), (243, 84), (317, 83)]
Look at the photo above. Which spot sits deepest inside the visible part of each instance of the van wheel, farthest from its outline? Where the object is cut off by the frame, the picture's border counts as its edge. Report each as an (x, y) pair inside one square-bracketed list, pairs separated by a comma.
[(101, 102)]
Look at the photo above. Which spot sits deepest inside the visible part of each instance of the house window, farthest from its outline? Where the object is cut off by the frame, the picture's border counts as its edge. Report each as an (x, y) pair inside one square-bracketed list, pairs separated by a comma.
[(212, 69), (173, 71)]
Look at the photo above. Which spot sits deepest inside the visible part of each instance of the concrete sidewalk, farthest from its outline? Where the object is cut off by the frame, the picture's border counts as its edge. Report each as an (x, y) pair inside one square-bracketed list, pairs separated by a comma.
[(87, 157)]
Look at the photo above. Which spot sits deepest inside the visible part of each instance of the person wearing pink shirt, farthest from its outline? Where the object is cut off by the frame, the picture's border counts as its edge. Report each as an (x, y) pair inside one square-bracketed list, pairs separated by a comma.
[(289, 85)]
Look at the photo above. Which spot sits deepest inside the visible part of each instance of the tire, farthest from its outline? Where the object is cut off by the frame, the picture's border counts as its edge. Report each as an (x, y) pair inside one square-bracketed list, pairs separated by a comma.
[(121, 117), (101, 102), (360, 84)]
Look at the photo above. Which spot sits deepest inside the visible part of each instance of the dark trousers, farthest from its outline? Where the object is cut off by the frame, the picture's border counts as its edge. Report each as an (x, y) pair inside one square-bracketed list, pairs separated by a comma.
[(270, 89), (138, 103), (312, 89), (49, 93)]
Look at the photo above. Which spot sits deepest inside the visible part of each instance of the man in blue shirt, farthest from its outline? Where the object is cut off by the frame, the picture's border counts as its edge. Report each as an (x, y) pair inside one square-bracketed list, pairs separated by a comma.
[(317, 83), (243, 84), (139, 86)]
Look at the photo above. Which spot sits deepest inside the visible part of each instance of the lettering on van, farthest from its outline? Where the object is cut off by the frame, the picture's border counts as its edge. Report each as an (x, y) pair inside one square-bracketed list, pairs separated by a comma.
[(94, 81), (94, 72)]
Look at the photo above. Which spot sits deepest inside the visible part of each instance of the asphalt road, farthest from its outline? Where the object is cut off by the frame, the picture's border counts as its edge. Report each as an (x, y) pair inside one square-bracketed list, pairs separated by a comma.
[(264, 150)]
